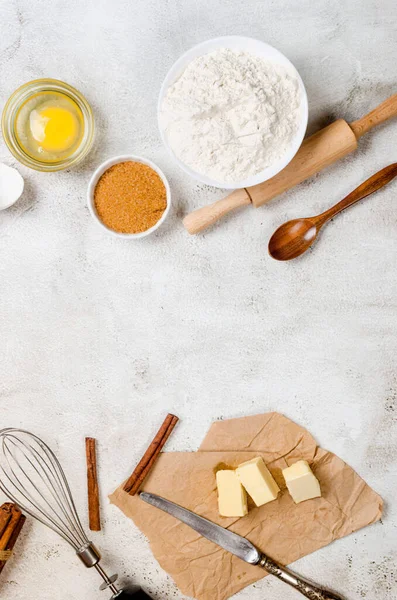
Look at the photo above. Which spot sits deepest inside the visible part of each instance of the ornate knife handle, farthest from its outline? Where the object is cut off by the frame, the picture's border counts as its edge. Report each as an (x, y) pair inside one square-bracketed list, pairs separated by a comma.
[(304, 587)]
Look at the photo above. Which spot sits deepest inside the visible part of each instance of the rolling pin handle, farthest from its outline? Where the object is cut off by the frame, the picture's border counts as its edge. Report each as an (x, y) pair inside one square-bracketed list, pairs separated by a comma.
[(204, 217), (380, 114)]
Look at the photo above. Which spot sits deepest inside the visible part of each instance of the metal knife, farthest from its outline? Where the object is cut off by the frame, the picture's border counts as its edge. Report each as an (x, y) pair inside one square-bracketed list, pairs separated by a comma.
[(238, 546)]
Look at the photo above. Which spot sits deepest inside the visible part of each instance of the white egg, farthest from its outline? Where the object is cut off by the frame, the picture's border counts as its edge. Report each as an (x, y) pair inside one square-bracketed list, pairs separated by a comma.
[(11, 186)]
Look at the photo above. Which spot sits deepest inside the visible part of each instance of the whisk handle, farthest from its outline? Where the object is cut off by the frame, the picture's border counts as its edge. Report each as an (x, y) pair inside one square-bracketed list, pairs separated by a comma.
[(137, 595)]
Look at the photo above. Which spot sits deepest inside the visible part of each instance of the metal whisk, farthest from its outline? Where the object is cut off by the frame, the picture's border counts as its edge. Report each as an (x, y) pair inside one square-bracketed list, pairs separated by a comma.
[(32, 477)]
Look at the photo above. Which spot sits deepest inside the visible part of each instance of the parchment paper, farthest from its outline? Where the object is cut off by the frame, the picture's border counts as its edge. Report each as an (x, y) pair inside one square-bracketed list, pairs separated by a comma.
[(282, 529)]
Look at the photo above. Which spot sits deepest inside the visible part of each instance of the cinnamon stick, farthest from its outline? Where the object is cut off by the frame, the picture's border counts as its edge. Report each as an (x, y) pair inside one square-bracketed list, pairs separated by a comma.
[(11, 523), (136, 479), (6, 512), (92, 485)]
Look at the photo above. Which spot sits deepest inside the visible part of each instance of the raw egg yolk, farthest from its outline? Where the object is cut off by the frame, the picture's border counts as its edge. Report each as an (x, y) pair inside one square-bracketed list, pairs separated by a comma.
[(55, 128)]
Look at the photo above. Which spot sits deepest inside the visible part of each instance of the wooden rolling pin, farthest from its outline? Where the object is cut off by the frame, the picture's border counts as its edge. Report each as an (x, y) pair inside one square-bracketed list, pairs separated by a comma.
[(317, 152)]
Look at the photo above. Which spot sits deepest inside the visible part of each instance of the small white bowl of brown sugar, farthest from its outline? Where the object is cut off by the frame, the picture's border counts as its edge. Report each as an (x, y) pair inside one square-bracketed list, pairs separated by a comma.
[(129, 196)]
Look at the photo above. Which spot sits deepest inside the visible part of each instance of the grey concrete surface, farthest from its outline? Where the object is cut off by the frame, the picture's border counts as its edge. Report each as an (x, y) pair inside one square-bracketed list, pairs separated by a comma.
[(101, 337)]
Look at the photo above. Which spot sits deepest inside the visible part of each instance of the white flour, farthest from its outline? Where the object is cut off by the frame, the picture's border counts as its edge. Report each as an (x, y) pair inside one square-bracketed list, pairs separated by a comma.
[(231, 114)]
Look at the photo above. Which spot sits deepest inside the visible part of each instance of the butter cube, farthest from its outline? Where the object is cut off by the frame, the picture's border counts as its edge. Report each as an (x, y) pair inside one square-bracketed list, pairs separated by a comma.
[(301, 482), (232, 498), (258, 481)]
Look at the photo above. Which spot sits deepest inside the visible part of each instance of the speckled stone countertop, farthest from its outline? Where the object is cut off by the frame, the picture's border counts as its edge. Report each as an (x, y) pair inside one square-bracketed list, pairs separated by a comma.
[(101, 337)]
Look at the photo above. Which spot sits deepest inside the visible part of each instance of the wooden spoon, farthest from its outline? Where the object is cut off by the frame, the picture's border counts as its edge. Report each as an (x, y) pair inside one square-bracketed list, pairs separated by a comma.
[(294, 237)]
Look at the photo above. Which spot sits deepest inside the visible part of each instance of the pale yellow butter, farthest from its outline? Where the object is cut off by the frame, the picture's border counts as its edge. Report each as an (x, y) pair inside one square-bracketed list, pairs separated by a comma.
[(232, 498), (301, 482), (258, 481)]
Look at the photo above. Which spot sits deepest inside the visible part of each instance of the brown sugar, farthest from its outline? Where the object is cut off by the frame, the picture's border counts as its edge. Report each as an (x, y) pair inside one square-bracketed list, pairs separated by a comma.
[(130, 197)]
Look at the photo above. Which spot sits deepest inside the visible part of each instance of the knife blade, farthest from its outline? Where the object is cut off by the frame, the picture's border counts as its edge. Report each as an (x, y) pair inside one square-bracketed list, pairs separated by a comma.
[(239, 546), (232, 542)]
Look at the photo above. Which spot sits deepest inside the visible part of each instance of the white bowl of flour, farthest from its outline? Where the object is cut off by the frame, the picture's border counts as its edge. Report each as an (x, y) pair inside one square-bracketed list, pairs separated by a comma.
[(233, 112)]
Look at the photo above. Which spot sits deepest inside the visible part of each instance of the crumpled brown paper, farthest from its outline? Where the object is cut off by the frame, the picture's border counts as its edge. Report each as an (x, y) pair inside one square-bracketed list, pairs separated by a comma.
[(282, 529)]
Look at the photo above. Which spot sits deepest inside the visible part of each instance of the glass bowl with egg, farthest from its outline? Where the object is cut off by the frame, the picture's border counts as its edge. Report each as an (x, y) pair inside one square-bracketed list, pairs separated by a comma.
[(48, 125)]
